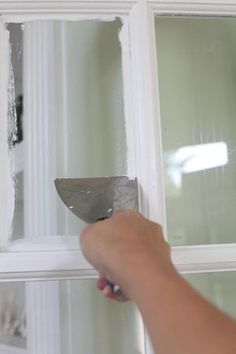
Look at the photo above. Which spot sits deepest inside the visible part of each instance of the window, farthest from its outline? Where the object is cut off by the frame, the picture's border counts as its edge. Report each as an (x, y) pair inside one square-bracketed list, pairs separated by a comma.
[(196, 80), (99, 88), (77, 99)]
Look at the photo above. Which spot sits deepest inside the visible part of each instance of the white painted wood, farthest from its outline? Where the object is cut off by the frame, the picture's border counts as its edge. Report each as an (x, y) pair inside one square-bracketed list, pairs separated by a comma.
[(57, 259), (108, 7), (127, 89), (47, 263), (42, 299), (192, 7), (87, 7), (145, 105), (205, 258)]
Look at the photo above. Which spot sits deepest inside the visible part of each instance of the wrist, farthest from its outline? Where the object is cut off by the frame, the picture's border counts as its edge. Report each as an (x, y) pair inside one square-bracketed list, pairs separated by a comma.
[(149, 277)]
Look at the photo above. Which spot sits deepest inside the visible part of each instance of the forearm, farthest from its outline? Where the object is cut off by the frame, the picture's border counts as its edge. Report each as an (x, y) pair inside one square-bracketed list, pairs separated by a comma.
[(179, 320), (131, 251)]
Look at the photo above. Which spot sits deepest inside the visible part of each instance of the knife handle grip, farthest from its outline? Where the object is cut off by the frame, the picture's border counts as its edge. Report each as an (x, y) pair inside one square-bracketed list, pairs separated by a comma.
[(114, 288)]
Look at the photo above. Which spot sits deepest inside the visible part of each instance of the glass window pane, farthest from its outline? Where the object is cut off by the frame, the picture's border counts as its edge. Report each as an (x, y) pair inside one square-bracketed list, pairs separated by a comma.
[(196, 68), (219, 288), (68, 316), (101, 326), (12, 316), (66, 115)]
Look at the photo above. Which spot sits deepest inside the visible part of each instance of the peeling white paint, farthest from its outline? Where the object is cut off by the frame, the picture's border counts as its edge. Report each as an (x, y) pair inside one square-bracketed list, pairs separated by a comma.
[(7, 193), (12, 124)]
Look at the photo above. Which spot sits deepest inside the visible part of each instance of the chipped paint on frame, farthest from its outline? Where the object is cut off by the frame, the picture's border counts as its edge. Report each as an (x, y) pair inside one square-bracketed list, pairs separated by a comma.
[(7, 194)]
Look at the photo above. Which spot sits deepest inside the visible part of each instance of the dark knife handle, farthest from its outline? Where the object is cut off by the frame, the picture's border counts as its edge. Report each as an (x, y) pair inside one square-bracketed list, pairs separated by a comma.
[(114, 288)]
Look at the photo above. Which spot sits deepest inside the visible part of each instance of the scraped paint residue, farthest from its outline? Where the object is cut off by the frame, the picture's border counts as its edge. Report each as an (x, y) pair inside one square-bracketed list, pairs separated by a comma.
[(12, 117)]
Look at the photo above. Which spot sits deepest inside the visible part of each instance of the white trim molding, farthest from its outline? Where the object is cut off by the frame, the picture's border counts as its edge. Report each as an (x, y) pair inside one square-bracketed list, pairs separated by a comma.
[(66, 7), (205, 258), (45, 259), (146, 113), (192, 7), (55, 257)]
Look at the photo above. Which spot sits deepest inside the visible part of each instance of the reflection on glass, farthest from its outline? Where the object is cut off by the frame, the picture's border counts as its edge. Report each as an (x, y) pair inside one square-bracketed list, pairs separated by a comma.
[(12, 315), (219, 288), (196, 69), (97, 325), (84, 321), (69, 76), (189, 159)]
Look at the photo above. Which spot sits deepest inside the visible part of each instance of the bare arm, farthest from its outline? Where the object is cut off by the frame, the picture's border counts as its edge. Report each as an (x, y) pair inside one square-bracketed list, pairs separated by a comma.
[(130, 251), (180, 321)]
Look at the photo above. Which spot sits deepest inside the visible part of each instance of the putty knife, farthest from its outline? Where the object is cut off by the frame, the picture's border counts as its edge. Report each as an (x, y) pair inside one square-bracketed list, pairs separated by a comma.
[(94, 199)]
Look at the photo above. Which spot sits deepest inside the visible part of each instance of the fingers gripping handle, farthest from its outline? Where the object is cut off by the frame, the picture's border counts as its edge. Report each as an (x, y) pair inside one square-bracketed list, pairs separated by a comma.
[(116, 290)]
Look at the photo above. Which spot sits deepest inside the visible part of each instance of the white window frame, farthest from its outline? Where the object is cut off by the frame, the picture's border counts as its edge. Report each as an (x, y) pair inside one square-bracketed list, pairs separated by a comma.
[(59, 257)]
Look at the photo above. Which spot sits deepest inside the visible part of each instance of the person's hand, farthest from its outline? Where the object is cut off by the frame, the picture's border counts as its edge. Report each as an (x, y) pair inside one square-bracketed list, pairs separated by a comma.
[(130, 251), (126, 249)]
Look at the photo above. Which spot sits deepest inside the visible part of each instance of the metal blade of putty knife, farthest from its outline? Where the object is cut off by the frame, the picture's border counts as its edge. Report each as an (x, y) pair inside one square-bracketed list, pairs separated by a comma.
[(92, 199)]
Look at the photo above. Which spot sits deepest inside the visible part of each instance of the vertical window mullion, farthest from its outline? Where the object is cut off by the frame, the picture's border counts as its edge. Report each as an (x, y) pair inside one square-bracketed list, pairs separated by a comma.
[(149, 164), (148, 148)]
